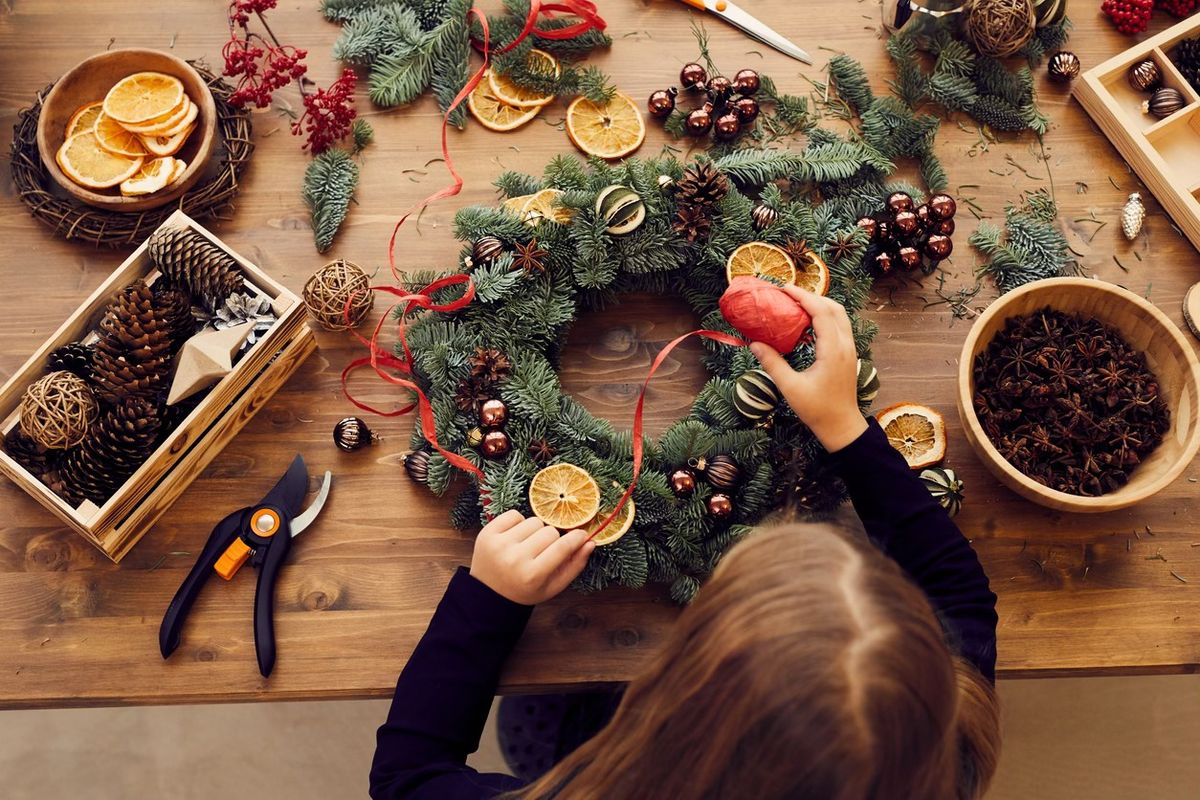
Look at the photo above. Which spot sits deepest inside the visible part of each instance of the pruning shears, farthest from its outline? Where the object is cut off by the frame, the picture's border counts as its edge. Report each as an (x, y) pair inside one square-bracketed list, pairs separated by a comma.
[(261, 534)]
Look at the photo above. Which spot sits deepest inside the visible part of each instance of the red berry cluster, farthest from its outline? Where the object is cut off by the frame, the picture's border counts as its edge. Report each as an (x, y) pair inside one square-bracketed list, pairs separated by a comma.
[(328, 113), (1133, 16), (261, 66)]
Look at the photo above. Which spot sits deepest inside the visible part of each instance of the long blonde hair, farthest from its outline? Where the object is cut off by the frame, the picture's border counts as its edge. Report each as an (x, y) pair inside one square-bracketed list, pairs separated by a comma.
[(808, 666)]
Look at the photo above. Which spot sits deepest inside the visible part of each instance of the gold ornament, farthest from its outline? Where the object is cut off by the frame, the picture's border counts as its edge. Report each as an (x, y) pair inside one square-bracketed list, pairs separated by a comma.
[(326, 293), (58, 410), (1132, 216)]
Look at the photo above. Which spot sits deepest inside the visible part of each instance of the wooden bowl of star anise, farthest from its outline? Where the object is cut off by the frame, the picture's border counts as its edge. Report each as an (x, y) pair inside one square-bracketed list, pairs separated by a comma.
[(1080, 395)]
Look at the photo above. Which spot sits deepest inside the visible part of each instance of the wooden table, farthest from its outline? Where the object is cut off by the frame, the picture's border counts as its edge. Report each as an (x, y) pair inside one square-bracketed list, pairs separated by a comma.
[(1078, 594)]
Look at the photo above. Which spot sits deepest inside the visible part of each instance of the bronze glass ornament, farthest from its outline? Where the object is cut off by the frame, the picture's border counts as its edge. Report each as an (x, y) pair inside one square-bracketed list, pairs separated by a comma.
[(698, 122), (493, 413), (662, 103), (720, 505), (906, 223), (1063, 67), (1164, 102), (746, 82), (495, 444), (747, 109), (939, 247), (727, 126), (416, 464), (763, 216), (719, 89), (942, 206), (900, 201), (910, 257), (1145, 76), (722, 471), (693, 76), (485, 250), (683, 482), (352, 434)]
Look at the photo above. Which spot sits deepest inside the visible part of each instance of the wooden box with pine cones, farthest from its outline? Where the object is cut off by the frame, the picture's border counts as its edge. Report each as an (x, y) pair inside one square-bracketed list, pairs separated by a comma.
[(116, 414)]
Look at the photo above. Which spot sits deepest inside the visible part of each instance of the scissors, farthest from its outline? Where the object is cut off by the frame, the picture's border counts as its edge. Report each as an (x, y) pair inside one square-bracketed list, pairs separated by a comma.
[(734, 15), (261, 534)]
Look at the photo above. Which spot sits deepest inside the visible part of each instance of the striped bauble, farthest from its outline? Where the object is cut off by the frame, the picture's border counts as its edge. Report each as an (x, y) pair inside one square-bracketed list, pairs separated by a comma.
[(755, 395), (868, 382), (621, 209), (945, 486)]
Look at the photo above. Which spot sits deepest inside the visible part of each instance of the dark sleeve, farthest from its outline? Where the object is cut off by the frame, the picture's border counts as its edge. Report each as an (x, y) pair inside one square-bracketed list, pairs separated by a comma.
[(443, 697), (904, 520)]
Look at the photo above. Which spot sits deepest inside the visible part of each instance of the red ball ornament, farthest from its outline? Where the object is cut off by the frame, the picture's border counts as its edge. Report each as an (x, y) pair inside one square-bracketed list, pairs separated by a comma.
[(763, 312), (942, 206), (683, 482), (939, 247), (910, 258), (907, 223), (900, 201), (943, 226)]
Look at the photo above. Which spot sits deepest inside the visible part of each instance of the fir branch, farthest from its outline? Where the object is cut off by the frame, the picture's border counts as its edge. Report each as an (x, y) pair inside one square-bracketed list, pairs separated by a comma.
[(1030, 247), (329, 184), (347, 10), (851, 81), (376, 31)]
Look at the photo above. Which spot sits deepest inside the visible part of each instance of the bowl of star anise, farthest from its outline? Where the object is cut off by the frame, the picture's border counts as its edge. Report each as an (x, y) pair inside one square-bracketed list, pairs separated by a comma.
[(1080, 395)]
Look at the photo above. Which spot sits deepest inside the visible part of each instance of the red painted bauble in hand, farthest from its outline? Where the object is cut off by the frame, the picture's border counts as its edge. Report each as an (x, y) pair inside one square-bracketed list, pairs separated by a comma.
[(763, 312)]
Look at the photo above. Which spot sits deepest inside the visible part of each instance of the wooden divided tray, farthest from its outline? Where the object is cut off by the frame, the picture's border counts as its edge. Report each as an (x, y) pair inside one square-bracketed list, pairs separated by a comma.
[(117, 525), (1165, 153)]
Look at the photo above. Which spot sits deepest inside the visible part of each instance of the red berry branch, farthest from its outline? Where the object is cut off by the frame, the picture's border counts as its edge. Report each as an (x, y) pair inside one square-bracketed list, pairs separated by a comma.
[(263, 65), (1133, 16)]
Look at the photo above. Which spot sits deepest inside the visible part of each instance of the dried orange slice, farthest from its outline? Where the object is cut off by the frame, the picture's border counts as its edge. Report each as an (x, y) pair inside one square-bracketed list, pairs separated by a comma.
[(84, 118), (613, 130), (167, 145), (507, 91), (87, 163), (565, 496), (915, 431), (617, 528), (812, 273), (493, 113), (761, 260), (178, 123), (116, 140), (516, 204), (544, 205), (143, 97), (154, 175), (178, 170)]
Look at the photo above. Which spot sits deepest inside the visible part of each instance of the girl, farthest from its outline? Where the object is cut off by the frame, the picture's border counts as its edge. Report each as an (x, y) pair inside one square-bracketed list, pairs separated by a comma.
[(811, 665)]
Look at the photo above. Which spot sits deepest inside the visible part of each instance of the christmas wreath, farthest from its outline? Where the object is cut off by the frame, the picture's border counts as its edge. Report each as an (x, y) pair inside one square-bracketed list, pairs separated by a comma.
[(598, 230)]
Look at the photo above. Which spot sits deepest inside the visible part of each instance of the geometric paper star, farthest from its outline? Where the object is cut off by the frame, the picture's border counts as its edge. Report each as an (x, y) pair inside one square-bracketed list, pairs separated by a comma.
[(205, 359)]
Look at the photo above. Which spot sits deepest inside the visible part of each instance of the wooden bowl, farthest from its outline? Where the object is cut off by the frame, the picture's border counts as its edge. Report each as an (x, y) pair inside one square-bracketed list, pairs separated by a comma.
[(89, 81), (1147, 329)]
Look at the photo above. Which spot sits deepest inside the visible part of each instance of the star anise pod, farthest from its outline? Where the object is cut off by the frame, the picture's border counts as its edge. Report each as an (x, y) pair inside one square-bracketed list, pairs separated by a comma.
[(541, 451), (529, 257), (692, 223), (797, 251), (490, 365), (843, 246)]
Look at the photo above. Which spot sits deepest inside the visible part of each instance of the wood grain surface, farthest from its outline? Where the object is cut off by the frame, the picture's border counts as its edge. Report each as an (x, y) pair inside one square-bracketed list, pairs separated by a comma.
[(1078, 594)]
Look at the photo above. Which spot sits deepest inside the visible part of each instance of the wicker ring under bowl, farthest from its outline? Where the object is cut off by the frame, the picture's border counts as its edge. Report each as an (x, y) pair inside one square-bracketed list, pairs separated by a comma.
[(1168, 355), (211, 196)]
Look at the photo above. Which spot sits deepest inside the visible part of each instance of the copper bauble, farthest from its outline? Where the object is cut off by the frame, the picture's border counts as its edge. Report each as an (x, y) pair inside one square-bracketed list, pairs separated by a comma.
[(900, 201), (692, 76), (719, 89), (1063, 67), (939, 247), (883, 231), (495, 444), (662, 103), (493, 413), (746, 82), (746, 108), (485, 250), (722, 471), (907, 223), (882, 263), (416, 464), (727, 126), (720, 505), (1145, 76), (683, 482), (868, 224), (942, 206), (923, 213), (763, 216), (943, 226), (910, 257), (698, 122), (352, 434)]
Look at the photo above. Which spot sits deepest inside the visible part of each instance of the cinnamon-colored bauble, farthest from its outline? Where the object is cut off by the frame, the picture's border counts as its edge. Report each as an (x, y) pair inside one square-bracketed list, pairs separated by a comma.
[(416, 464), (720, 505), (722, 471), (727, 126), (747, 109), (683, 482), (662, 103), (939, 247), (692, 76), (493, 413), (923, 213), (882, 263), (698, 122), (883, 231), (763, 312), (868, 224), (746, 82), (942, 206), (495, 444), (910, 258), (900, 201), (719, 89), (907, 223), (943, 226)]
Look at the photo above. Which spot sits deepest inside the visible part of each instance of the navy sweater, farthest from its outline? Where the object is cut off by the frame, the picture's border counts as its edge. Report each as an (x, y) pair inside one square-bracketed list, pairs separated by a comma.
[(445, 691)]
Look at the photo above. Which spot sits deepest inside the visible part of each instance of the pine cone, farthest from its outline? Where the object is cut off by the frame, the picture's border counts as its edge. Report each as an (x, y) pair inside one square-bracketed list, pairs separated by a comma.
[(75, 358), (471, 392), (997, 113), (29, 454), (115, 447), (193, 263), (702, 185), (139, 337), (490, 365), (1186, 56), (693, 223), (240, 308), (430, 13)]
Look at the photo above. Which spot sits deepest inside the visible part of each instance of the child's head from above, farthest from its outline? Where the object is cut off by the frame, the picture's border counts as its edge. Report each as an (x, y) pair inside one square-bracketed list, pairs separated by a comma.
[(808, 666)]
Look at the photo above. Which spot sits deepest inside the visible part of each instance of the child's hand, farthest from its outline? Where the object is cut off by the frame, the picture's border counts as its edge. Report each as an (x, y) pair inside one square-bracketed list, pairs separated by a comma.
[(824, 396), (526, 560)]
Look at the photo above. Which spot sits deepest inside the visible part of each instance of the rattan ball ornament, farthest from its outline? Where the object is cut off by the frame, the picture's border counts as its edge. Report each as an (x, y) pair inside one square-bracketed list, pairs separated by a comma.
[(58, 410), (328, 290), (999, 28)]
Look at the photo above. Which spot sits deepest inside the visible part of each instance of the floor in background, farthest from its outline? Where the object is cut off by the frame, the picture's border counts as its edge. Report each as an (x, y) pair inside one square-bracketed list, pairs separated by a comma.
[(1099, 738)]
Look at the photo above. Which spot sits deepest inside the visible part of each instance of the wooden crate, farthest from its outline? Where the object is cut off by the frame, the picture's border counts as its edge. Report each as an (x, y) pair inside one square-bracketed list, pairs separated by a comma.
[(117, 525), (1165, 153)]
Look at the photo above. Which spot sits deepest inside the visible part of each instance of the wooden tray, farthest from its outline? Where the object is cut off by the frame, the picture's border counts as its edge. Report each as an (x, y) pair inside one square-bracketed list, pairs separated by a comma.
[(117, 525), (1165, 153)]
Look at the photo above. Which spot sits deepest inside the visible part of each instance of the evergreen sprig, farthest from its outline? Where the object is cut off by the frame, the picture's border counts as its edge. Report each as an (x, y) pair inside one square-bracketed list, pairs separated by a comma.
[(329, 184), (1029, 247)]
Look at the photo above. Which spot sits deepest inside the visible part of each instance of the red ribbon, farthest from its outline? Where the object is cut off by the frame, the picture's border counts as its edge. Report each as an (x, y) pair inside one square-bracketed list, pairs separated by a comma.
[(716, 336)]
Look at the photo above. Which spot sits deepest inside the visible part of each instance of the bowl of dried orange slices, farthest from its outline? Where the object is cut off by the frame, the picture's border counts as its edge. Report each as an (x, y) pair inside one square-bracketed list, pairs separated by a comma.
[(127, 130)]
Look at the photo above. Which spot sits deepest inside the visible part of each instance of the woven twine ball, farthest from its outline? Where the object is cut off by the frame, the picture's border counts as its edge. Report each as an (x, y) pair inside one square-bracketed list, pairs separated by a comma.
[(999, 27), (58, 410), (329, 288)]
